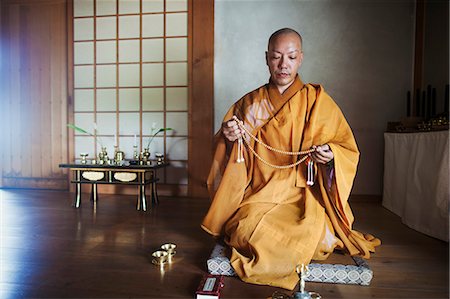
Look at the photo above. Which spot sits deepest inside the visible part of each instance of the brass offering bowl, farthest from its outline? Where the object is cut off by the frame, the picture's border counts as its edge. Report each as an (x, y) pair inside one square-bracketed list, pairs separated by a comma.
[(170, 249), (83, 158), (160, 257)]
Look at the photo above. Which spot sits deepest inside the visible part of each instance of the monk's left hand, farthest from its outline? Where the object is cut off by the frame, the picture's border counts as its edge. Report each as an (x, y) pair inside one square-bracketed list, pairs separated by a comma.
[(322, 154)]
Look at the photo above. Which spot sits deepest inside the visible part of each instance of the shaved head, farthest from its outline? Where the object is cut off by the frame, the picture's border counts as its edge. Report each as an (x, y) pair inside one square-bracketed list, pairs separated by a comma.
[(284, 31), (284, 57)]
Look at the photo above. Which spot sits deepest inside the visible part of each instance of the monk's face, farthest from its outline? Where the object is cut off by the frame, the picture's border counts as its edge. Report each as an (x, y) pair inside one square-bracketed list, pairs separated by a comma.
[(284, 57)]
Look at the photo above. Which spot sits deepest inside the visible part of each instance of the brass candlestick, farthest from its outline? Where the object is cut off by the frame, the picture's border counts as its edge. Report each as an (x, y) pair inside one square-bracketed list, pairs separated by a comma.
[(135, 153), (302, 272)]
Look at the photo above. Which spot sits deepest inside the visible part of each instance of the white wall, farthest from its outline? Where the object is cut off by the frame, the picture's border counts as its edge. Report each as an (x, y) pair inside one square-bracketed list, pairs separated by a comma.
[(360, 51)]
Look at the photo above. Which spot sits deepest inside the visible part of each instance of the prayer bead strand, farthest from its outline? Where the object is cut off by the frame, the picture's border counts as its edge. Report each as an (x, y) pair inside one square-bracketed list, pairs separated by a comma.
[(241, 126), (241, 159)]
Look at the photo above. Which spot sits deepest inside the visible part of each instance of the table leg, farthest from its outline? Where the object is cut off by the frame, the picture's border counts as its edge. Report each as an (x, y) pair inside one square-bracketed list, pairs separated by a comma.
[(77, 201), (155, 200), (94, 193), (142, 202)]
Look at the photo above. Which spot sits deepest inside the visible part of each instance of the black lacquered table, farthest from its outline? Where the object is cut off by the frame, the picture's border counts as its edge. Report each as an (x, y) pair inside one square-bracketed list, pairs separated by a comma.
[(125, 174)]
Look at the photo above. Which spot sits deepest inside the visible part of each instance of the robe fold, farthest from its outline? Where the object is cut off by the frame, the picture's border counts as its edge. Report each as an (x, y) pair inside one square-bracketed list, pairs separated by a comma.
[(269, 217)]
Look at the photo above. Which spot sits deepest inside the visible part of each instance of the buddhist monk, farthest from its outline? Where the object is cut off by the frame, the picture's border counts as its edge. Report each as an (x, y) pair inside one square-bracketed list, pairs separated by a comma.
[(264, 205)]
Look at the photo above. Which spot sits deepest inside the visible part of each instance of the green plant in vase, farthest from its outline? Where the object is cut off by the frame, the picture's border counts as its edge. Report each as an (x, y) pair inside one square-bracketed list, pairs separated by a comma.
[(104, 154), (153, 135)]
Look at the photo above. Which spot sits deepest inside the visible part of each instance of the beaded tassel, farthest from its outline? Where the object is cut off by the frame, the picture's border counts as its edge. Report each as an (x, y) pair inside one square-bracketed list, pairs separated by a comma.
[(240, 154), (310, 173)]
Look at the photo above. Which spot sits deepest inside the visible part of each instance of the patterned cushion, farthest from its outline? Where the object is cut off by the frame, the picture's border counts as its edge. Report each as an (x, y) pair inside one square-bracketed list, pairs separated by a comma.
[(337, 273), (219, 264)]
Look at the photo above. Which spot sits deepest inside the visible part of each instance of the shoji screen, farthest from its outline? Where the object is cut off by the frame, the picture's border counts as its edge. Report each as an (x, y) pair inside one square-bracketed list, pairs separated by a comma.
[(131, 77)]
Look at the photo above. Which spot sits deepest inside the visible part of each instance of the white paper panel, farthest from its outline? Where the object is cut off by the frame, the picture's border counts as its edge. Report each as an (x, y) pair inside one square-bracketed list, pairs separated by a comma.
[(152, 25), (84, 144), (177, 98), (151, 120), (128, 75), (106, 51), (84, 100), (83, 8), (83, 76), (152, 50), (83, 53), (106, 7), (106, 75), (106, 100), (129, 99), (106, 124), (83, 29), (129, 27), (176, 24), (177, 121), (84, 121), (106, 27), (128, 123), (152, 99), (176, 49), (129, 51), (152, 6), (176, 73), (152, 74), (129, 6), (176, 5)]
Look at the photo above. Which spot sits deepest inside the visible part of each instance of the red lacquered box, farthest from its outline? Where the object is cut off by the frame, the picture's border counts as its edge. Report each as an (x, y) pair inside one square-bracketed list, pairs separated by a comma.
[(210, 287)]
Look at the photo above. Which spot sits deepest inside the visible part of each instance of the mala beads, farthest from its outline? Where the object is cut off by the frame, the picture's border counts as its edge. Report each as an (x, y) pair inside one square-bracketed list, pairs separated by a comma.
[(240, 154)]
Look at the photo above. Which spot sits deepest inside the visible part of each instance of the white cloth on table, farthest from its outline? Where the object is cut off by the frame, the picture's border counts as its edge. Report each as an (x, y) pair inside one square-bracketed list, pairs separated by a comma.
[(416, 180)]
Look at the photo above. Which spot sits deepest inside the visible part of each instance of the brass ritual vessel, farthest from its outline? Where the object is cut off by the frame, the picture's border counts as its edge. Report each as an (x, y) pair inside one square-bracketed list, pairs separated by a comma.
[(302, 270), (159, 158), (103, 156), (83, 158), (170, 249), (164, 254), (145, 157), (119, 156), (159, 257)]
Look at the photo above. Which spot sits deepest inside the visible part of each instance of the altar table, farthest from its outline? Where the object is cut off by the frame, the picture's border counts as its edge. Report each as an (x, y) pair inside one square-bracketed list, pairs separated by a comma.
[(94, 174), (416, 180)]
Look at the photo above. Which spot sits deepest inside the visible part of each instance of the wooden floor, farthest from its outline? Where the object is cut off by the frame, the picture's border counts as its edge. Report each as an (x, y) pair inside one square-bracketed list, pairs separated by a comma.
[(51, 250)]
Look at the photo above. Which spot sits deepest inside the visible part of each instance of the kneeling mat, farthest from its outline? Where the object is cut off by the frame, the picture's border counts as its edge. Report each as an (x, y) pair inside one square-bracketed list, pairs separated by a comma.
[(219, 264)]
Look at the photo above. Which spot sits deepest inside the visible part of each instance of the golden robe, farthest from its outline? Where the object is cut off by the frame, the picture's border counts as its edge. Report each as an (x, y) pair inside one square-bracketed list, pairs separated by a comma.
[(269, 217)]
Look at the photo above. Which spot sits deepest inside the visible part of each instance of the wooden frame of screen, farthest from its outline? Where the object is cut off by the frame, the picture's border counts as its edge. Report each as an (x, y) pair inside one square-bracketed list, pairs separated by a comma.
[(201, 94)]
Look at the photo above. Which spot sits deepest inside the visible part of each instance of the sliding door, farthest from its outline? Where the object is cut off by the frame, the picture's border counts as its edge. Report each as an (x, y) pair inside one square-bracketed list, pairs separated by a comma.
[(33, 94)]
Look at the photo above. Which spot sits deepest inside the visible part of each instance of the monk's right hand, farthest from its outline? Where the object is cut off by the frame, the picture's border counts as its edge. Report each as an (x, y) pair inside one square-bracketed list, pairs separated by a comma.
[(230, 130)]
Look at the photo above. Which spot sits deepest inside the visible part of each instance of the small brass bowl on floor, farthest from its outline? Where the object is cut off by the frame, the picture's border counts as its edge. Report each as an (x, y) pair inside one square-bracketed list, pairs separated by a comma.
[(159, 257), (169, 247)]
